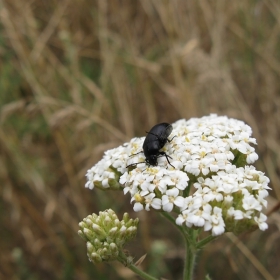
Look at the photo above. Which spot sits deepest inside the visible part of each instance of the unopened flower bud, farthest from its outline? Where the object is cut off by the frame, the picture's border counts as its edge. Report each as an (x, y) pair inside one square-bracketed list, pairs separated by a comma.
[(82, 235), (94, 257), (107, 235), (89, 234), (98, 230)]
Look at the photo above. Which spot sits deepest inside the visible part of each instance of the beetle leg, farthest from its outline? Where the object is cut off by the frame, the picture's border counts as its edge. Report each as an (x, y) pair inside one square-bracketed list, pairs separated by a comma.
[(171, 139), (167, 156)]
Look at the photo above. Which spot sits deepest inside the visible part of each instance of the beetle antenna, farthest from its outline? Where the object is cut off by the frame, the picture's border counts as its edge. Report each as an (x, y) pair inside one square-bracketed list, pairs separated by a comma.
[(134, 164), (136, 154)]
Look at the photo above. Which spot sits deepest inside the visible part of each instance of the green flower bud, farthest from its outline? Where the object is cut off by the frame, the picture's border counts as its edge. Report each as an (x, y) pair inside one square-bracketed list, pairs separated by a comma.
[(106, 234), (107, 221), (82, 235), (90, 248), (82, 224), (88, 221), (113, 232), (126, 218), (95, 258), (97, 243), (98, 231), (89, 234)]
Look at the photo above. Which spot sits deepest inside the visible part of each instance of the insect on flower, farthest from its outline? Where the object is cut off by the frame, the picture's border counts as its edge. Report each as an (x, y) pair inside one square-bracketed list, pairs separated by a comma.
[(155, 140)]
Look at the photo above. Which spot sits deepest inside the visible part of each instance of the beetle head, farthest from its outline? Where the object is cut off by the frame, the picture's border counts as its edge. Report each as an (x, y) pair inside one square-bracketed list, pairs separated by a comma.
[(152, 160)]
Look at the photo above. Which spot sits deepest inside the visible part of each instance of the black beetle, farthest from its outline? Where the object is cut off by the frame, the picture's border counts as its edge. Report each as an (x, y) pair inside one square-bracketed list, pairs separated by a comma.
[(154, 141)]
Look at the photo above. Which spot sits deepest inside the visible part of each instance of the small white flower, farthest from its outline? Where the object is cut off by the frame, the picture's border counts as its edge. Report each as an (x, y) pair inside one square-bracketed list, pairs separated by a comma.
[(248, 214), (182, 218), (261, 221), (215, 222), (151, 200), (179, 201), (138, 207), (200, 191), (260, 197), (250, 203), (178, 178), (214, 192), (228, 183), (198, 217), (237, 214), (252, 157), (206, 164), (169, 198), (228, 199), (126, 180), (193, 167), (191, 203), (164, 180), (105, 183), (89, 185)]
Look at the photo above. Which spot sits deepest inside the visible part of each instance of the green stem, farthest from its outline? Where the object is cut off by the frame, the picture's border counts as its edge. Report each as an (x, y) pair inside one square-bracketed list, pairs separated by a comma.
[(172, 220), (187, 189), (123, 259), (204, 241), (190, 256), (189, 237)]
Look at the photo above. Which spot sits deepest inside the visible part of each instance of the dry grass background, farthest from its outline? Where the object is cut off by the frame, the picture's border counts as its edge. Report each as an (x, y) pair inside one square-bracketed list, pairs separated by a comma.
[(79, 77)]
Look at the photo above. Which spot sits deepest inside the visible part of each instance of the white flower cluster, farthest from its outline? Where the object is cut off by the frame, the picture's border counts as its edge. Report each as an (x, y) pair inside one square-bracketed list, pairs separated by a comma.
[(154, 187), (103, 174), (211, 184), (226, 201)]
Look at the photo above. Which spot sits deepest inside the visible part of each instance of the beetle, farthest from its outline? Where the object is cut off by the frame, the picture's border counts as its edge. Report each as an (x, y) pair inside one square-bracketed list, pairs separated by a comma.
[(155, 140)]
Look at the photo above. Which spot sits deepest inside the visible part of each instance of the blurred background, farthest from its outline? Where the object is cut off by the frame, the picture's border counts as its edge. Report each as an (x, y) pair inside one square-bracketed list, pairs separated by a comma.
[(80, 77)]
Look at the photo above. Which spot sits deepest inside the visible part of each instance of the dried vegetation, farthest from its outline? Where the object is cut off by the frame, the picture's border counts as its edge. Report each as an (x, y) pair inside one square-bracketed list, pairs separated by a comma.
[(79, 77)]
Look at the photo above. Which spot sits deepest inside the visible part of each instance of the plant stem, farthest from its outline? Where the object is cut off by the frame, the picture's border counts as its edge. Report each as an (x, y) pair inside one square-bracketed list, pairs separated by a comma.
[(123, 259), (189, 260), (189, 237), (172, 220), (204, 241)]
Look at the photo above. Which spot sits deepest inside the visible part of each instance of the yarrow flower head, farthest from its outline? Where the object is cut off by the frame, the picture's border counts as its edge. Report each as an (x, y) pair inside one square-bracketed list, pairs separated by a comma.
[(106, 235), (210, 180)]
